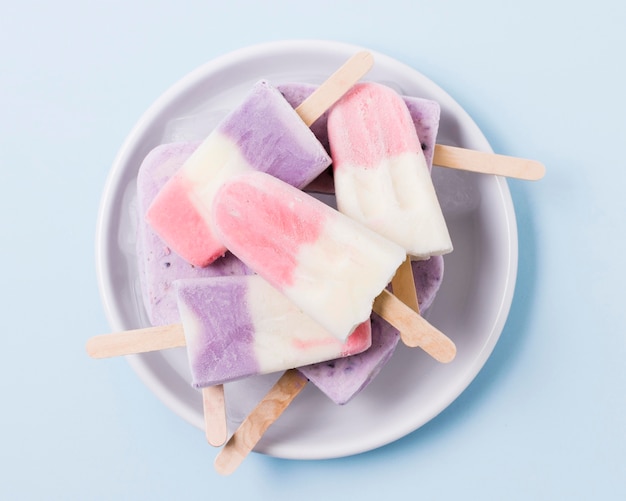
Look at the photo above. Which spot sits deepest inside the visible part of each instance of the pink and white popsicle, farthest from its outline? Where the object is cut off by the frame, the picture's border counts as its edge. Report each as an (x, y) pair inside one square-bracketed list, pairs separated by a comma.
[(328, 264), (381, 176), (439, 154)]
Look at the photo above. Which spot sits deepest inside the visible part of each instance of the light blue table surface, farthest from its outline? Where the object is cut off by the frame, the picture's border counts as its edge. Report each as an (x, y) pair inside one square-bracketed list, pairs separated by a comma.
[(544, 419)]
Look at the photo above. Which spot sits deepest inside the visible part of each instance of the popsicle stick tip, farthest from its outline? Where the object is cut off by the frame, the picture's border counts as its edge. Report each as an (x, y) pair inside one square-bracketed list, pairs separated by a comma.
[(99, 347), (537, 170), (215, 440), (440, 347), (448, 354), (416, 331), (91, 348), (366, 57), (224, 467), (216, 429)]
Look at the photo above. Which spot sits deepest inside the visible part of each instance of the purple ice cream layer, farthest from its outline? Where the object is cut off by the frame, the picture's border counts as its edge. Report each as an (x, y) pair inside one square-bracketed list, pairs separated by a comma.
[(425, 114), (428, 275), (343, 378), (159, 266), (271, 137), (223, 351)]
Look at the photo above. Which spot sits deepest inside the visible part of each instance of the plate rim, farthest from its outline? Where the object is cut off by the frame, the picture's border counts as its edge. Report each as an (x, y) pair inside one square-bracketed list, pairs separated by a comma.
[(105, 223)]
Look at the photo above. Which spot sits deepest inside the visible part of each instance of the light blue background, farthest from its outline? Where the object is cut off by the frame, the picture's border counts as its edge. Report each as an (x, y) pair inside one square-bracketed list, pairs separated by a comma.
[(545, 419)]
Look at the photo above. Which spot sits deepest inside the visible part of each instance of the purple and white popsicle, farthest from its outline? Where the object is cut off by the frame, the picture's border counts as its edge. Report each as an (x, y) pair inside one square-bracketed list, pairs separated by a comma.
[(240, 326), (264, 133)]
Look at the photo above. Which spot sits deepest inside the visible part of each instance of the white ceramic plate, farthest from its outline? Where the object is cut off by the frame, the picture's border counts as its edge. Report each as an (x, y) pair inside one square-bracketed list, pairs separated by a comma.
[(471, 307)]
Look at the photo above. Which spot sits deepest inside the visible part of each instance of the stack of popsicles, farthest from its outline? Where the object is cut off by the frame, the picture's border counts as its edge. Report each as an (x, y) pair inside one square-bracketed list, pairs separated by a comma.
[(162, 268), (254, 275)]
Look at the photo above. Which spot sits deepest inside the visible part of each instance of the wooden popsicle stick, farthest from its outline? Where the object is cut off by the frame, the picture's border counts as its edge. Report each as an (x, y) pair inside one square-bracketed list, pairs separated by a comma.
[(136, 341), (418, 331), (254, 426), (488, 163), (335, 86), (214, 409), (403, 286)]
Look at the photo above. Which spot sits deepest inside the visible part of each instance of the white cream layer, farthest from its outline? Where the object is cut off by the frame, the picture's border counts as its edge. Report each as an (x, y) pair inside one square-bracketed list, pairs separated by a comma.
[(284, 336), (216, 159), (338, 277)]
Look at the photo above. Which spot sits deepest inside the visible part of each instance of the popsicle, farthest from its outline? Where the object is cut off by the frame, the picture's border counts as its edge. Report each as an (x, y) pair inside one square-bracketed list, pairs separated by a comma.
[(235, 327), (442, 155), (330, 266), (382, 177), (263, 133)]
